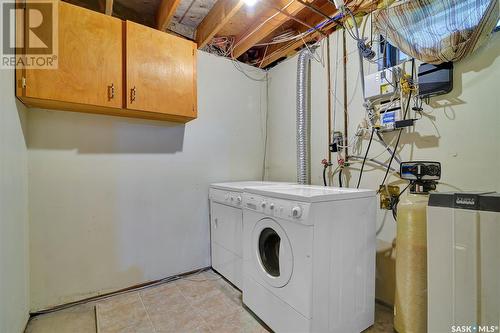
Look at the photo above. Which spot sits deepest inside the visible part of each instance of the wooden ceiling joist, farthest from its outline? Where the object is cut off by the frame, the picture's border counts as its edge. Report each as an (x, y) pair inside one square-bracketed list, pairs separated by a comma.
[(282, 50), (270, 21), (165, 13), (278, 51), (219, 15), (288, 49)]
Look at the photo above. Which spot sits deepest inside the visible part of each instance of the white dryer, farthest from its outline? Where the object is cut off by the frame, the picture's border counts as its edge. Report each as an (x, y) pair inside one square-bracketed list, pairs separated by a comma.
[(226, 223), (309, 257)]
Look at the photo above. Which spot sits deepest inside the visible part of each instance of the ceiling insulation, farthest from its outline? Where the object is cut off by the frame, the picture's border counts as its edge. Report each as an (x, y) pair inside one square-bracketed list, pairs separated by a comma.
[(188, 16)]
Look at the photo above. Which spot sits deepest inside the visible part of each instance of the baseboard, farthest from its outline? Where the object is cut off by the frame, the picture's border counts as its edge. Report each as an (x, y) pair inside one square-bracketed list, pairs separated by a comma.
[(116, 292)]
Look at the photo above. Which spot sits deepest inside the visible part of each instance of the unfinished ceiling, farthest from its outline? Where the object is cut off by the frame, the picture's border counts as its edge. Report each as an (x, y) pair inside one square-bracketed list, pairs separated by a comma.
[(260, 35), (189, 15)]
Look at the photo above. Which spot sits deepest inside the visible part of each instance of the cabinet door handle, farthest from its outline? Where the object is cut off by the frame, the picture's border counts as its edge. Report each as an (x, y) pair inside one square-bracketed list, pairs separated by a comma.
[(111, 91), (133, 91), (216, 224)]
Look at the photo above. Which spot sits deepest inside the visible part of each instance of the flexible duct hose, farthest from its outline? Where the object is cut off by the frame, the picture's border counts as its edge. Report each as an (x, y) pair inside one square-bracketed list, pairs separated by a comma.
[(303, 116)]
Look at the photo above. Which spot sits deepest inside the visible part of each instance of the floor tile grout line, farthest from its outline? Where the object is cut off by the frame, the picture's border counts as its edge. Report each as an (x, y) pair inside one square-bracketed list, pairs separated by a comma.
[(147, 313), (97, 318), (192, 305)]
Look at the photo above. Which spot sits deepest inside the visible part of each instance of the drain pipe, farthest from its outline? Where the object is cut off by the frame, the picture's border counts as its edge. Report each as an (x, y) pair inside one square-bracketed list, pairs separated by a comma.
[(303, 116)]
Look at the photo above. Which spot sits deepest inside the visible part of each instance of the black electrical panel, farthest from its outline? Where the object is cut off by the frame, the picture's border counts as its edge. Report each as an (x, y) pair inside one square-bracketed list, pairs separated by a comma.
[(435, 80)]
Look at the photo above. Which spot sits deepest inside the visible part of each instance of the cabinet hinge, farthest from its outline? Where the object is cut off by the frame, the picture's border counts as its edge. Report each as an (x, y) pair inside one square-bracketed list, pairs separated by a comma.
[(193, 51), (23, 82)]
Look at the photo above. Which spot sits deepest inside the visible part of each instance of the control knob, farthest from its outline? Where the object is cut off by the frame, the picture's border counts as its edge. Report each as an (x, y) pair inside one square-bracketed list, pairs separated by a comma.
[(271, 205), (238, 199), (296, 212), (263, 204)]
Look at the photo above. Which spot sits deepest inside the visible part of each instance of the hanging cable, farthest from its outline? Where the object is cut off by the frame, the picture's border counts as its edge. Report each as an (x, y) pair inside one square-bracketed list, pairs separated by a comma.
[(366, 155), (400, 131), (395, 201), (324, 175)]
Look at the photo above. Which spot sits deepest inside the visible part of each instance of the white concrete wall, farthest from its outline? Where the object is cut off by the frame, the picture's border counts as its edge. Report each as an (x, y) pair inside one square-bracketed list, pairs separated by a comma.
[(115, 202), (463, 133), (14, 268)]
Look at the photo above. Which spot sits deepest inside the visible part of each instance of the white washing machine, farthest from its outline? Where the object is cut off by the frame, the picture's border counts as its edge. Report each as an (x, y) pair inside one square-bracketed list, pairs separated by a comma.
[(226, 223), (309, 257)]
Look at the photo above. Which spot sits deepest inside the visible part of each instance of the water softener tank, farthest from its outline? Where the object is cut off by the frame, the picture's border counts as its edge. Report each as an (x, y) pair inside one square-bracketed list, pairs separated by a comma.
[(410, 310)]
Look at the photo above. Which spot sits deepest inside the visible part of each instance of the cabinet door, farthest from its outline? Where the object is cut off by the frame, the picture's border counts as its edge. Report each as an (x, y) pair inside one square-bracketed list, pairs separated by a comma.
[(90, 61), (161, 72)]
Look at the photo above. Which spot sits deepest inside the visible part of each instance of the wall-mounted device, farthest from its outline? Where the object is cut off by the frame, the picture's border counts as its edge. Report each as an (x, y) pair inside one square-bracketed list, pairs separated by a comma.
[(388, 196), (435, 80), (388, 119), (383, 84), (337, 142)]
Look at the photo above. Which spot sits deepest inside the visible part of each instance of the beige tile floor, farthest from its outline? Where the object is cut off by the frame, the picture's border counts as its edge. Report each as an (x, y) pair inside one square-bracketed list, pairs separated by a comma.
[(199, 303)]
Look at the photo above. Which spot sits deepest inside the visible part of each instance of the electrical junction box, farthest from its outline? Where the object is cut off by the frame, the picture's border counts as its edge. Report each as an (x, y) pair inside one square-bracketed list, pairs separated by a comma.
[(388, 120), (381, 85)]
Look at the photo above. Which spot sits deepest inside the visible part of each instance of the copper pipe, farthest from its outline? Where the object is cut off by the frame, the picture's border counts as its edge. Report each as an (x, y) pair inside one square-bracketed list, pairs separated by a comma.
[(330, 136), (328, 75), (344, 46)]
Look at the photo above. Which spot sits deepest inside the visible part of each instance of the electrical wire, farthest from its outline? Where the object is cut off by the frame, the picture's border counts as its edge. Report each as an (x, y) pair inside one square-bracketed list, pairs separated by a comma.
[(395, 201), (237, 65), (372, 160), (364, 159), (400, 131)]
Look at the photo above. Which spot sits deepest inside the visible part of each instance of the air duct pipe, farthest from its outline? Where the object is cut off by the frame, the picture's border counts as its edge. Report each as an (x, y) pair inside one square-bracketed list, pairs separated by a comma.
[(303, 116)]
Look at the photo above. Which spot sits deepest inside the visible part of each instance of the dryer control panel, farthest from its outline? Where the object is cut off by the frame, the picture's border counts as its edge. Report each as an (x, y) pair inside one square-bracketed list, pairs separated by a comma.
[(284, 209), (226, 197)]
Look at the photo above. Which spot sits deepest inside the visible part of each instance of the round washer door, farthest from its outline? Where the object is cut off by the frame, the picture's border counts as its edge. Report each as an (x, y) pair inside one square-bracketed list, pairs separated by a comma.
[(272, 252)]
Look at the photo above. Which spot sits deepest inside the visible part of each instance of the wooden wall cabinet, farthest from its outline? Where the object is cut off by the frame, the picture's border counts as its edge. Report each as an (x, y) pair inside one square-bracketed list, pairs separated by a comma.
[(160, 72), (112, 67)]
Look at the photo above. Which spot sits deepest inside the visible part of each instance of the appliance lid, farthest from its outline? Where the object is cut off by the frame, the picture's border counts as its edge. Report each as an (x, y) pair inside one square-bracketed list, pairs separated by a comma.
[(240, 186), (482, 201), (310, 193)]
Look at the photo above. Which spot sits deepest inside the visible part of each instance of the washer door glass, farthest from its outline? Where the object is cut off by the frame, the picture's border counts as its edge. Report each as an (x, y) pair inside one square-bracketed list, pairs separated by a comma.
[(272, 252), (269, 251)]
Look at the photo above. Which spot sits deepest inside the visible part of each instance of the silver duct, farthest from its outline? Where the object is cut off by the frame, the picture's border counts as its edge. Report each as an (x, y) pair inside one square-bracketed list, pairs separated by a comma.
[(303, 117)]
